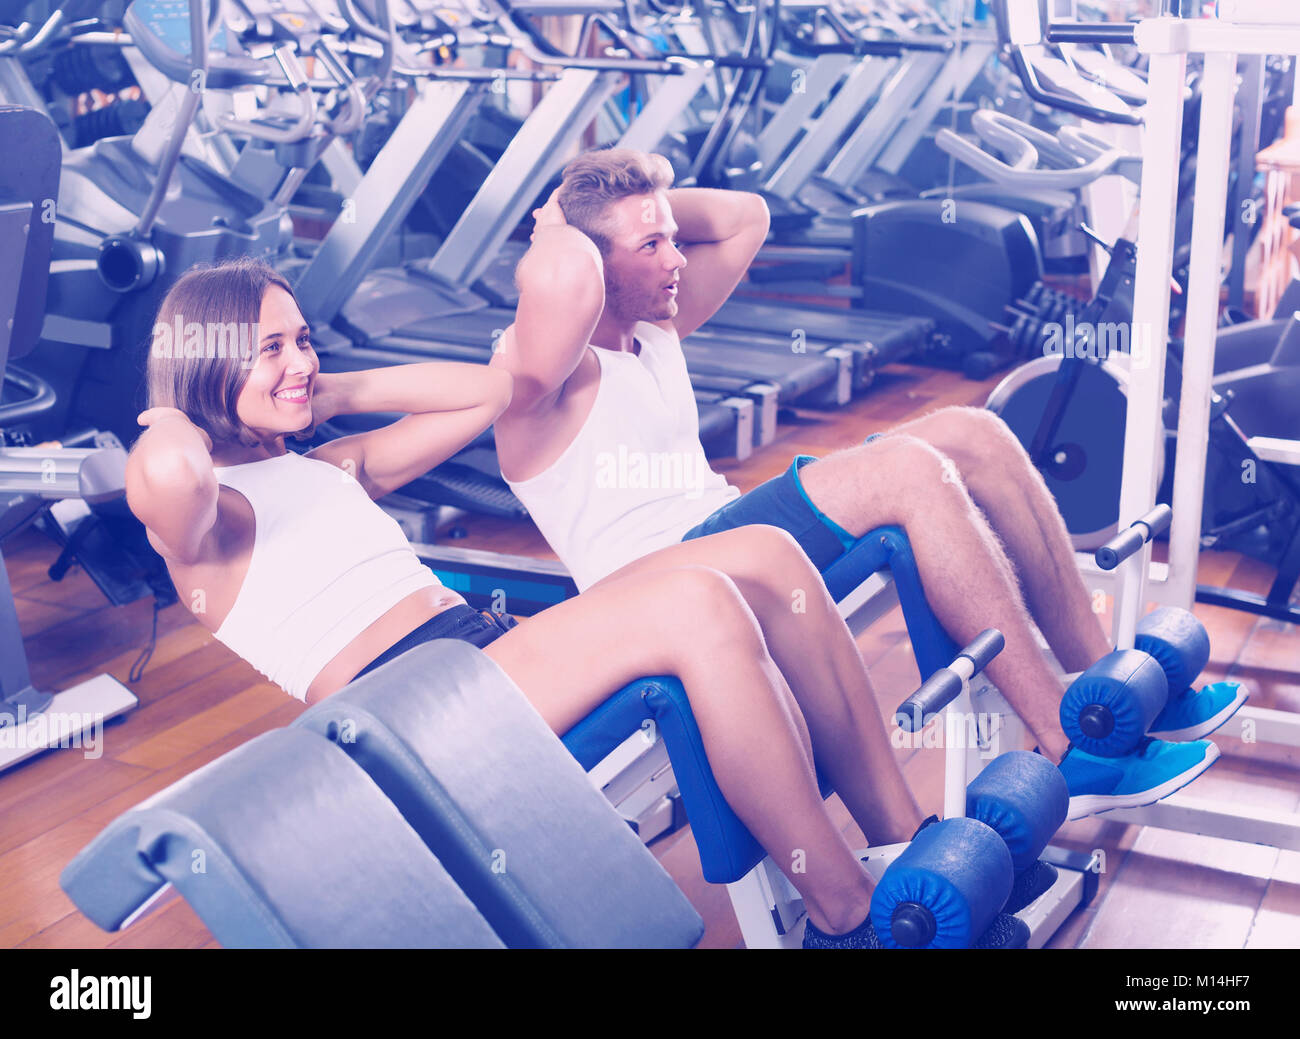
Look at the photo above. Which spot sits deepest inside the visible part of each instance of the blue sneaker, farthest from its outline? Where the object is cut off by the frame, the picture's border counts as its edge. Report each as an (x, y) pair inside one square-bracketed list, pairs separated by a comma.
[(1193, 715), (1152, 772)]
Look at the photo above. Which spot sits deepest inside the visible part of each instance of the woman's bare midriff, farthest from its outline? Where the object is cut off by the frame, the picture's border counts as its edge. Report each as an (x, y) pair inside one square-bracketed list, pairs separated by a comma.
[(215, 581), (383, 633)]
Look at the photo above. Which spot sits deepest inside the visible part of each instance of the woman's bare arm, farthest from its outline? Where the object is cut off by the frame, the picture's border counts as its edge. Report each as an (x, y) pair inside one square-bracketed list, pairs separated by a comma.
[(170, 485), (448, 404)]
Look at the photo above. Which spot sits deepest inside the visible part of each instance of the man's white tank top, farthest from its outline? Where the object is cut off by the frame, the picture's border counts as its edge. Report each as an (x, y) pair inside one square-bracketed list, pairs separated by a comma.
[(634, 478)]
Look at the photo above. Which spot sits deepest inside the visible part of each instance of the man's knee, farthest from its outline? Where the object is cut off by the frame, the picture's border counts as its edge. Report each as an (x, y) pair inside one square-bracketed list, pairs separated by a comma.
[(903, 460), (973, 434), (892, 479)]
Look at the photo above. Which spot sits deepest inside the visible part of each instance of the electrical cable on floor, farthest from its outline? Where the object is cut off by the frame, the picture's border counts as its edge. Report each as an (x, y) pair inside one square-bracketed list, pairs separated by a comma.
[(137, 669)]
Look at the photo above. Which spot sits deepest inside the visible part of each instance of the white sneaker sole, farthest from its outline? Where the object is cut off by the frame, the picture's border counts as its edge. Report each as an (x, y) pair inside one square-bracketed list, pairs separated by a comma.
[(1094, 804), (1196, 732)]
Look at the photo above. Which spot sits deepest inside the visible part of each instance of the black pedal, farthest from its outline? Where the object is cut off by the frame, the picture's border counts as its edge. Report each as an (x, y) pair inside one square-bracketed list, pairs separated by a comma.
[(111, 546)]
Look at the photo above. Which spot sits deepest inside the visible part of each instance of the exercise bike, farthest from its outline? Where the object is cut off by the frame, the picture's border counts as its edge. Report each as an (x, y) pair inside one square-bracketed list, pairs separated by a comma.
[(1068, 406), (75, 493)]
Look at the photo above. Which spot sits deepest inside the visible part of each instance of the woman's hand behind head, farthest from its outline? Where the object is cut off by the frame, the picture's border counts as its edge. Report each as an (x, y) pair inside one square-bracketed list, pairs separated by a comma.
[(166, 416)]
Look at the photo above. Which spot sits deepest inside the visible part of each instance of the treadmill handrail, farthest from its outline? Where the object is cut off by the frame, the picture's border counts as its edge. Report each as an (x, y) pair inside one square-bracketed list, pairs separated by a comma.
[(17, 34), (530, 41), (1020, 27), (1024, 69), (1002, 129), (198, 63), (354, 112), (31, 45), (884, 48), (1024, 171), (1082, 144), (44, 34), (525, 38), (42, 399), (302, 127)]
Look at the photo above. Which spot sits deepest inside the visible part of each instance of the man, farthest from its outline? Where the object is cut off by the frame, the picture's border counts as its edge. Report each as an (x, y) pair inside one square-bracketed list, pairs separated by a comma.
[(620, 270)]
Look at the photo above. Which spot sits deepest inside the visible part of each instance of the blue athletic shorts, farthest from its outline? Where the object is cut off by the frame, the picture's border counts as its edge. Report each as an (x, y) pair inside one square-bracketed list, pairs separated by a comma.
[(782, 502)]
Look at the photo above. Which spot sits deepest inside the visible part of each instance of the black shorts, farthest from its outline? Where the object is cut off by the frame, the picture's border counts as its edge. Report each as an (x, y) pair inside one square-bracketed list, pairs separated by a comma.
[(477, 627)]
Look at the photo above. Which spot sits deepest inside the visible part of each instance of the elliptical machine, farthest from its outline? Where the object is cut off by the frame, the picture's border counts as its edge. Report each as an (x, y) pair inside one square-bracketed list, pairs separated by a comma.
[(134, 213), (32, 478)]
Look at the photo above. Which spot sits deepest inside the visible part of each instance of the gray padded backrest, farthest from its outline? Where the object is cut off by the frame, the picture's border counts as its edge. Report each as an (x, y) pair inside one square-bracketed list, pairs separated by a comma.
[(283, 842), (515, 820)]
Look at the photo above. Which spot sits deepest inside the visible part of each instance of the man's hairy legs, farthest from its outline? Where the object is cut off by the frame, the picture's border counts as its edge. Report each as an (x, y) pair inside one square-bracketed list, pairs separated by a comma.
[(989, 542)]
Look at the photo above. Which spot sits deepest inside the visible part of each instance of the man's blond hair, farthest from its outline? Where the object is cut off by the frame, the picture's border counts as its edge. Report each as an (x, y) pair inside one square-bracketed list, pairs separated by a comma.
[(596, 179)]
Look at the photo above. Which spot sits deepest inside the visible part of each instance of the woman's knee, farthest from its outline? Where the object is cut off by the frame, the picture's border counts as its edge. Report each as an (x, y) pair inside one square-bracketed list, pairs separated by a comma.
[(773, 552), (703, 608)]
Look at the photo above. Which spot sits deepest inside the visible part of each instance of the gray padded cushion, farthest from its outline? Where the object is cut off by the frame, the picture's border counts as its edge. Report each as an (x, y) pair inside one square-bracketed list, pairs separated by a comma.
[(515, 820), (283, 842)]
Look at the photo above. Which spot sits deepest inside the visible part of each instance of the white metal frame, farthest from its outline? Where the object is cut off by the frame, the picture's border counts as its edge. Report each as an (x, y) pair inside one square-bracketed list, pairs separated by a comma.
[(1167, 42)]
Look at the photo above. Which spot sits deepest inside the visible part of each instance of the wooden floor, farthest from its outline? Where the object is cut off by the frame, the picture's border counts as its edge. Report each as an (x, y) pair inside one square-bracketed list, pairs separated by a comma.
[(197, 701)]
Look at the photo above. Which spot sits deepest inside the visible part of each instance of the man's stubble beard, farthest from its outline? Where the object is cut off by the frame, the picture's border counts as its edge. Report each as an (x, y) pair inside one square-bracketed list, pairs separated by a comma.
[(630, 304)]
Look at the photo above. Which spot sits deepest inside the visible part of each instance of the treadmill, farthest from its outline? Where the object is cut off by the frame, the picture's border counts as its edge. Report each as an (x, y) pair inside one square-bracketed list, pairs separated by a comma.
[(872, 339), (338, 268), (435, 296), (910, 77)]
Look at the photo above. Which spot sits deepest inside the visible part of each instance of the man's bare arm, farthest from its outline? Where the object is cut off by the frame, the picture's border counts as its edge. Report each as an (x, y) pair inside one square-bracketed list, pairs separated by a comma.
[(719, 233), (561, 284)]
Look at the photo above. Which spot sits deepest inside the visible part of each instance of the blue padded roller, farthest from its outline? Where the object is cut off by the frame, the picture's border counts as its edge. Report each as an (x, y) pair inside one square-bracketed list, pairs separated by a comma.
[(282, 843), (1178, 641), (473, 768), (1110, 706), (945, 889), (1023, 797)]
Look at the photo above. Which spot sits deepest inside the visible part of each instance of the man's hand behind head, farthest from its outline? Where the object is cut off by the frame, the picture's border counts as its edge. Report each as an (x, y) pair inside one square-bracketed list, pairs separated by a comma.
[(550, 215)]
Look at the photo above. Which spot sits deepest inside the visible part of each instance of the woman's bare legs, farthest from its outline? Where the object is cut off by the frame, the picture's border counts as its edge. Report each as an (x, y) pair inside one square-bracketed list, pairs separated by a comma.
[(693, 623), (816, 653)]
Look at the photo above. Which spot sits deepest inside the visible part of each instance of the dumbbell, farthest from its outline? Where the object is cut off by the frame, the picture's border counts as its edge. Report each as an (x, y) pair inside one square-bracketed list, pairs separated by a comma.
[(946, 888), (1033, 300), (1053, 310), (1036, 291), (1025, 335)]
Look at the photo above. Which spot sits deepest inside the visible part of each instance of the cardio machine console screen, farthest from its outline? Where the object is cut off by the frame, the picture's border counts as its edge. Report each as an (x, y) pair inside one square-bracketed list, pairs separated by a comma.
[(160, 30)]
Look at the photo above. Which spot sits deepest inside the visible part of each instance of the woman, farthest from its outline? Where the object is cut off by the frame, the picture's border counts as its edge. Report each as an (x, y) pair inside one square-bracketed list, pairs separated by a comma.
[(286, 559)]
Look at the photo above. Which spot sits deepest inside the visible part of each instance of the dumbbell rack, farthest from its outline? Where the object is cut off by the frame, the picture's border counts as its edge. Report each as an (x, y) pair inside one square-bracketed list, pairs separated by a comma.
[(1243, 27), (1028, 318)]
